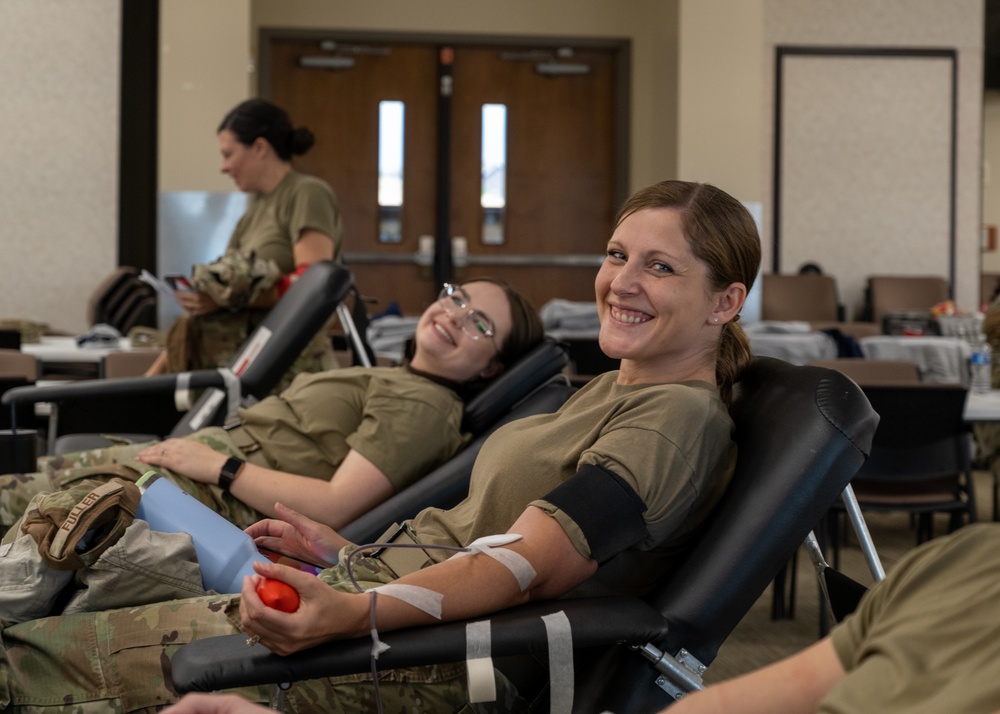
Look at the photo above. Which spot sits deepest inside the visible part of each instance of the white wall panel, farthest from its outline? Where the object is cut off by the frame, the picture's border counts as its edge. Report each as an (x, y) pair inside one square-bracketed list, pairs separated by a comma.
[(866, 166), (59, 142)]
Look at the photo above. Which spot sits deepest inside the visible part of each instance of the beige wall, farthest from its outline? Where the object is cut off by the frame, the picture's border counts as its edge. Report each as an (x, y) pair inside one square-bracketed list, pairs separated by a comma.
[(721, 111), (206, 67), (205, 79), (59, 143)]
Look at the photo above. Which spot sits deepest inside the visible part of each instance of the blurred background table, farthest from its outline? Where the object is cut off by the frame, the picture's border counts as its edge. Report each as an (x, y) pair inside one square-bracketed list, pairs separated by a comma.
[(940, 359)]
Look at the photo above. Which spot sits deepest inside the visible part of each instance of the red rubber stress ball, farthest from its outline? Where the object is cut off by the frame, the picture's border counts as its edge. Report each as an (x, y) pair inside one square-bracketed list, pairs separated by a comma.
[(278, 594)]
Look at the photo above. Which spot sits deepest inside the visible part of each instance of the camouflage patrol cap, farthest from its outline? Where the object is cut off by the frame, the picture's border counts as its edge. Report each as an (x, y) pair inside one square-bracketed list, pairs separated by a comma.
[(235, 280), (73, 527)]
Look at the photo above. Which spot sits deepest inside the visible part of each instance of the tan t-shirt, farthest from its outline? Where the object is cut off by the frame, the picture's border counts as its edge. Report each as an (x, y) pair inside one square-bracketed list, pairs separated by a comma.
[(927, 639), (403, 423), (672, 443), (273, 223)]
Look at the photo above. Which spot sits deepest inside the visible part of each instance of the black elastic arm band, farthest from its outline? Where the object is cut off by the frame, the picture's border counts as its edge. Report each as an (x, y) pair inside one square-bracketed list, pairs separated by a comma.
[(605, 507)]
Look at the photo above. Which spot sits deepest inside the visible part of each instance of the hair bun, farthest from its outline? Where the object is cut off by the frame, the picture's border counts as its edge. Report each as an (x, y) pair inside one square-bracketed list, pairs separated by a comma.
[(300, 140)]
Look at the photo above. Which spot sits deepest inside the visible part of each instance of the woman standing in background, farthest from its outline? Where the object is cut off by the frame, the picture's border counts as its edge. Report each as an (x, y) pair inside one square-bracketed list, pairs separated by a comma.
[(292, 220)]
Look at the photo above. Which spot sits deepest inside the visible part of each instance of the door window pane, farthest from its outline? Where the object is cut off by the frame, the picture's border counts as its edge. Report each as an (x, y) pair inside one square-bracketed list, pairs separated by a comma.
[(390, 171), (493, 196)]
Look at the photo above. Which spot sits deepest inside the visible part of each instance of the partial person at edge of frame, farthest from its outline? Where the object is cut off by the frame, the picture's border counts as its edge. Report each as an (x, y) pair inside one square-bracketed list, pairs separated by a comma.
[(601, 496), (292, 220), (334, 444), (924, 640)]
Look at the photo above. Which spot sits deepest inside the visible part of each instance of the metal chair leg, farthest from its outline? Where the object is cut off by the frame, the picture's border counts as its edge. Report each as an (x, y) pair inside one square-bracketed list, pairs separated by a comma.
[(861, 531)]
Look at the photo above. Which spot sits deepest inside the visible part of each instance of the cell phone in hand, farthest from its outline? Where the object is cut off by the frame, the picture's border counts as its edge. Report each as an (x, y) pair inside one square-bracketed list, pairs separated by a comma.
[(276, 557), (179, 283)]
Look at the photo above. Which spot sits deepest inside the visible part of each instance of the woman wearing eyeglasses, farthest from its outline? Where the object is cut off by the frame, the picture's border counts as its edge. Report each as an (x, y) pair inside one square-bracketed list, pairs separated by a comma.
[(333, 444)]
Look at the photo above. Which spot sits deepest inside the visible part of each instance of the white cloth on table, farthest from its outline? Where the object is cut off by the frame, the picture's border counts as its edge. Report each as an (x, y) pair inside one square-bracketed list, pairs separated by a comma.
[(387, 335), (779, 327), (795, 347), (942, 360)]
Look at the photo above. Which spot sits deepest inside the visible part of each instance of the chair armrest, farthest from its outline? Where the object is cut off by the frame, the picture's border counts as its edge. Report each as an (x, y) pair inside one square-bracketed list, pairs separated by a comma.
[(132, 386), (223, 662)]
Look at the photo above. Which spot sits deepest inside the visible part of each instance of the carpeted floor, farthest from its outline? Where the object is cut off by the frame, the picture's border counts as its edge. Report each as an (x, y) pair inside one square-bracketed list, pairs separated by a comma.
[(759, 639)]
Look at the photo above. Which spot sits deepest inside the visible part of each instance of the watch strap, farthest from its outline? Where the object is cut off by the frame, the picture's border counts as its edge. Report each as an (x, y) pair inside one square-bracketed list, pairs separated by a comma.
[(229, 471)]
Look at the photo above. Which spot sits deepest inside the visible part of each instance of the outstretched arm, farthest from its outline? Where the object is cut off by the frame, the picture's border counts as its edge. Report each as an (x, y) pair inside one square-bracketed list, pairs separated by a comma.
[(793, 685), (355, 488), (469, 586)]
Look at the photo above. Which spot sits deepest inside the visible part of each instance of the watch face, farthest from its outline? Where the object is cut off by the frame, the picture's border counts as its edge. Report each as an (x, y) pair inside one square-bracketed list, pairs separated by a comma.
[(229, 471)]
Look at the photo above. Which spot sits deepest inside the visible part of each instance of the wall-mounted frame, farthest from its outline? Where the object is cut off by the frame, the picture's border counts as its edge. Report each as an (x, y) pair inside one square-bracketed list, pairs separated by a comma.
[(877, 129)]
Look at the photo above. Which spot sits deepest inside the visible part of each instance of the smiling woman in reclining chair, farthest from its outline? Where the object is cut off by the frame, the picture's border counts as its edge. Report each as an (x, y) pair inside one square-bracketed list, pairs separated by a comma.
[(334, 444), (601, 495)]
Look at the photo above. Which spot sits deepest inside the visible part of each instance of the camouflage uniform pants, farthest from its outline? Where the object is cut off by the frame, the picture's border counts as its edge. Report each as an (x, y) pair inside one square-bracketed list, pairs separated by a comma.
[(119, 661), (60, 472)]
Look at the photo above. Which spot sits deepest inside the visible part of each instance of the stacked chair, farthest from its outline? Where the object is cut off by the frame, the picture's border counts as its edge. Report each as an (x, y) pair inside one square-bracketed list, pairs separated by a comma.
[(123, 301)]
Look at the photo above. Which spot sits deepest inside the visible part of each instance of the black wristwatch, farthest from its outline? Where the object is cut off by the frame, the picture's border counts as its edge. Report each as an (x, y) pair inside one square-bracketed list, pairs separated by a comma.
[(229, 471)]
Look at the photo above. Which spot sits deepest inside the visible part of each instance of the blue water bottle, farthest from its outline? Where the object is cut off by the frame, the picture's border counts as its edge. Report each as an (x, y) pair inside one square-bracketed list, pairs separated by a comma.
[(225, 553), (981, 366)]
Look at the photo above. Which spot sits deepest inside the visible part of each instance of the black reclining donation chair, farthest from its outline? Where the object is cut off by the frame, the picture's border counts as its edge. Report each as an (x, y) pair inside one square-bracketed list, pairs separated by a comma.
[(121, 405), (802, 433)]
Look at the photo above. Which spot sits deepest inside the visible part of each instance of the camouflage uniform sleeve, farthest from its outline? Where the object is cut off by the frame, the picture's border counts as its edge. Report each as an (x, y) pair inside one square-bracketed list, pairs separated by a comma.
[(235, 280)]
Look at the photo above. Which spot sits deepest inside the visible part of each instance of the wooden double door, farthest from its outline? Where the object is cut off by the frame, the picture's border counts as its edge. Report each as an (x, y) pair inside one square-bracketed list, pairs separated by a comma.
[(564, 149)]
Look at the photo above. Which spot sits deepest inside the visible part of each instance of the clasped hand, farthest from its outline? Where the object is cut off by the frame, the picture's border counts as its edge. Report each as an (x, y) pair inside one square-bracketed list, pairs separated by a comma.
[(323, 613)]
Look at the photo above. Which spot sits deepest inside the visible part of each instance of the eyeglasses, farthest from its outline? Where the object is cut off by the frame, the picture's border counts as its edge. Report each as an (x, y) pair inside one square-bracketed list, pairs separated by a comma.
[(475, 324)]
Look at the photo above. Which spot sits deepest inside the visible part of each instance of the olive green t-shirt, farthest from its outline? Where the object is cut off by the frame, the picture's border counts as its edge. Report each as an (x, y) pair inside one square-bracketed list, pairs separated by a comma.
[(403, 423), (672, 443), (927, 639), (273, 223)]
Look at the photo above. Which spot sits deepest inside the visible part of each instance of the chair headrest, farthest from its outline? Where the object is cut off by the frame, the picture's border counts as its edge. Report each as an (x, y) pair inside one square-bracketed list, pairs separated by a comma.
[(290, 325), (515, 383), (801, 433)]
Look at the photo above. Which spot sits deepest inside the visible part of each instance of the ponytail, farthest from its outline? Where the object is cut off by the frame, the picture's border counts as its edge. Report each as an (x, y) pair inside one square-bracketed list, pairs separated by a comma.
[(733, 358)]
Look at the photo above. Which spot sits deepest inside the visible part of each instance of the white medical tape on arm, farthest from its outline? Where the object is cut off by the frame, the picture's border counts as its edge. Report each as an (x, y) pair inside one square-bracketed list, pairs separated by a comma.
[(182, 394), (232, 383), (516, 563), (479, 662), (561, 684), (378, 646), (421, 598)]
